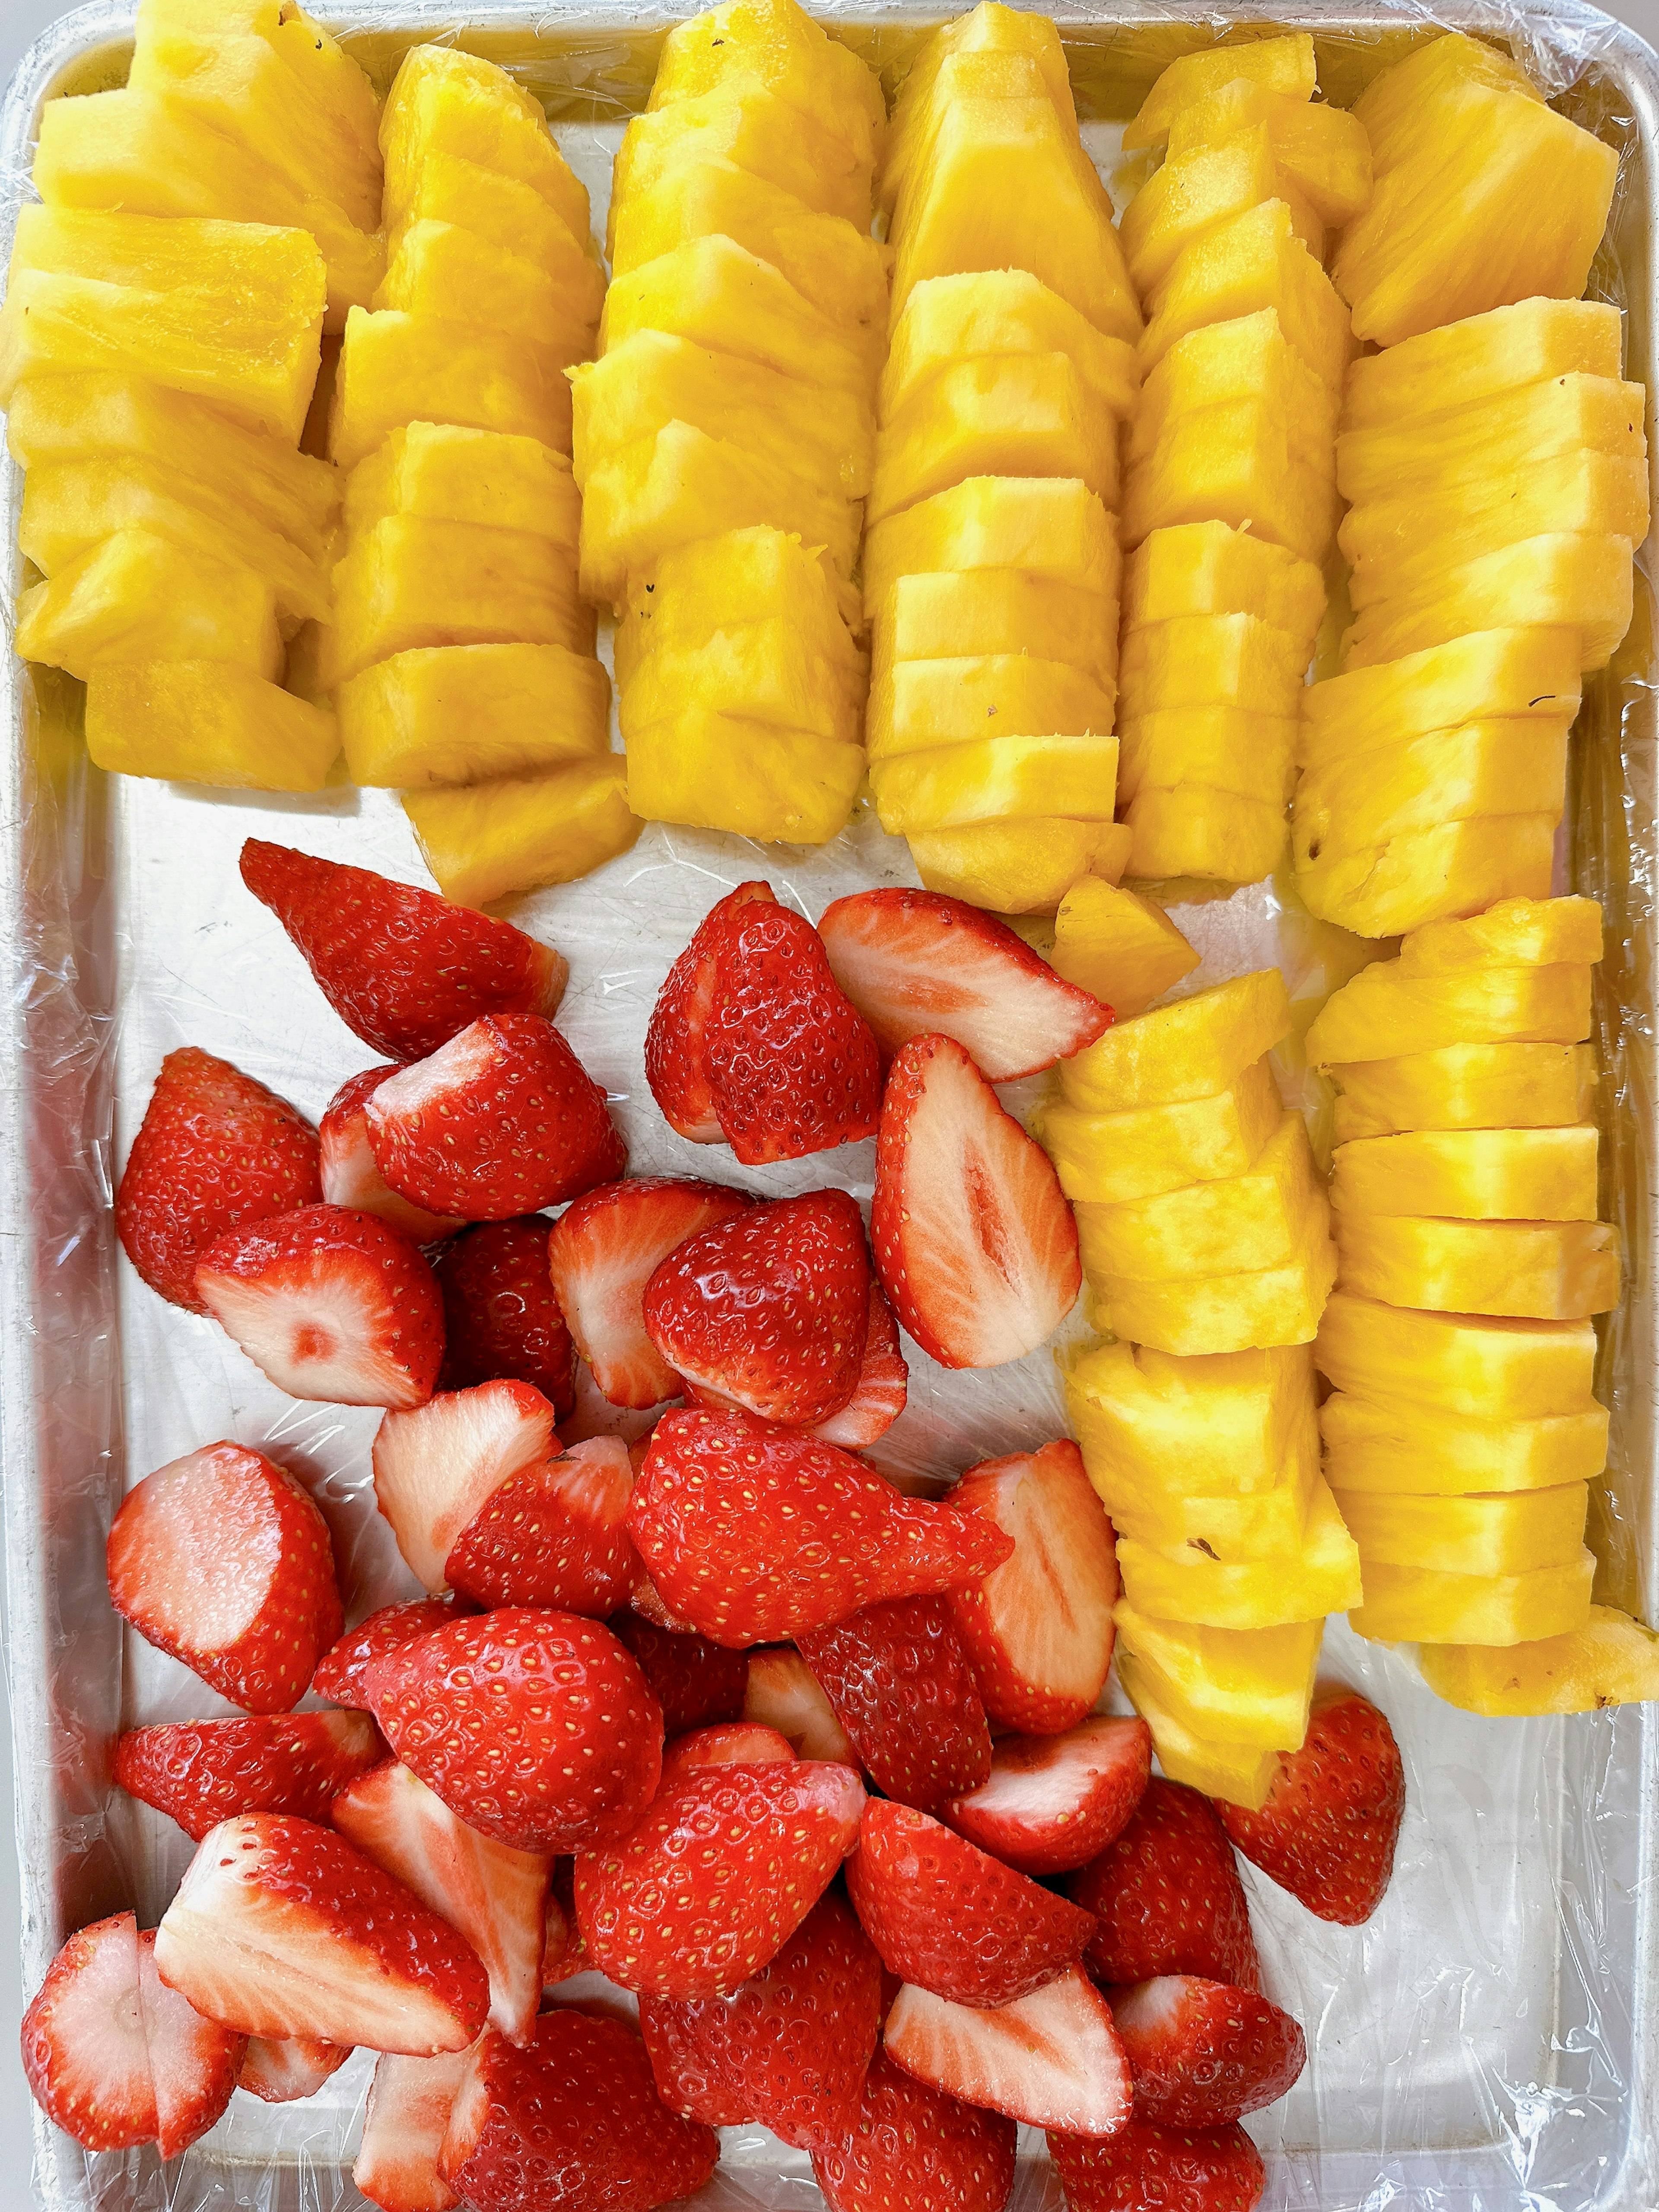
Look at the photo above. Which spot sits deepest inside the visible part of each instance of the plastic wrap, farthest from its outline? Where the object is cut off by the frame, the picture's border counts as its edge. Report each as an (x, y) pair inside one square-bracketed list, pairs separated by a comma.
[(1488, 2041)]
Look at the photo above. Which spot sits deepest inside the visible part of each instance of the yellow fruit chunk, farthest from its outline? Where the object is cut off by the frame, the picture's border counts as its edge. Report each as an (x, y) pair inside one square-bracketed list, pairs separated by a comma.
[(1255, 1220), (460, 713), (1191, 1049), (1321, 153), (1243, 1686), (1500, 1536), (1000, 311), (203, 721), (1197, 832), (741, 576), (1231, 1312), (1522, 932), (1015, 867), (1385, 888), (1613, 1660), (1021, 415), (1210, 569), (774, 43), (1450, 775), (960, 700), (1282, 65), (136, 597), (989, 29), (1193, 191), (1389, 1444), (717, 771), (497, 213), (1120, 947), (441, 271), (1472, 1174), (1242, 1420), (744, 123), (1210, 660), (1237, 461), (1254, 261), (1266, 1524), (1046, 526), (1384, 1010), (761, 671), (410, 582), (1581, 582), (1466, 1086), (444, 101), (1537, 1270), (1424, 1605), (1225, 1767), (1570, 415), (1322, 1578), (1492, 675), (1465, 1362), (446, 473), (487, 841), (1400, 546), (1107, 1157), (993, 610), (713, 292), (996, 780), (396, 369), (1228, 363), (1226, 749), (1533, 343)]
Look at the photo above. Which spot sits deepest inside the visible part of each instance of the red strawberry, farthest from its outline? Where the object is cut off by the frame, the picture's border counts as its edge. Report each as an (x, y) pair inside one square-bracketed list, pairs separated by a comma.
[(83, 2040), (201, 1772), (501, 1320), (564, 1951), (735, 1743), (328, 1304), (645, 1598), (340, 1671), (193, 2062), (604, 1250), (975, 1243), (555, 1534), (281, 2070), (785, 1694), (717, 1876), (1203, 2054), (222, 1561), (536, 1727), (695, 1682), (501, 1120), (1167, 1896), (953, 1920), (1038, 1632), (402, 968), (573, 2124), (1328, 1828), (280, 1927), (410, 2102), (1051, 2059), (677, 1038), (493, 1895), (1053, 1801), (1143, 2164), (350, 1172), (769, 1309), (912, 2146), (903, 1691), (788, 2049), (917, 963), (216, 1149), (437, 1466), (754, 1533), (879, 1393)]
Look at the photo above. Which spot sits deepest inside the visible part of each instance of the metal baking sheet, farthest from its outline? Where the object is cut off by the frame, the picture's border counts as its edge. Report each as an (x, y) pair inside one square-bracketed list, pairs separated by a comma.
[(1488, 2041)]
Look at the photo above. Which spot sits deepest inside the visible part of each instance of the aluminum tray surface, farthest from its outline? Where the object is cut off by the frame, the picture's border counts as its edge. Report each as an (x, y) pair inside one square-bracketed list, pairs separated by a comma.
[(1489, 2039)]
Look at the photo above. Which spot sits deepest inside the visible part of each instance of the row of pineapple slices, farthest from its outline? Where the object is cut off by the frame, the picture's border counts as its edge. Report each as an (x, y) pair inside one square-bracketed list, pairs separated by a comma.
[(1026, 518)]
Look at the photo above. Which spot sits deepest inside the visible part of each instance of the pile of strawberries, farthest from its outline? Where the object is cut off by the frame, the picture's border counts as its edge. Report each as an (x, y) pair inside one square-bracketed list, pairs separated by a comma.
[(725, 1730)]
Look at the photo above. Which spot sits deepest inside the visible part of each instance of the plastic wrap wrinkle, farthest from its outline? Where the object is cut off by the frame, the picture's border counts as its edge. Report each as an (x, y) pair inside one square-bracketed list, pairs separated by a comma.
[(1487, 2042)]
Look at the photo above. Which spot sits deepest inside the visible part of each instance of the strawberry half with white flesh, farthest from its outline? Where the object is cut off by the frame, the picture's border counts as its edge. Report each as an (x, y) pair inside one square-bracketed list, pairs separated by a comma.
[(734, 1743), (782, 1693), (1053, 1801), (328, 1304), (501, 1320), (280, 1927), (902, 1687), (1051, 2059), (201, 1772), (493, 1895), (553, 1534), (677, 1038), (339, 1675), (350, 1172), (917, 963), (912, 2146), (1167, 1896), (975, 1243), (84, 2051), (1038, 1631), (193, 2062), (404, 969), (437, 1466), (1213, 2169), (501, 1120), (283, 2070), (879, 1395), (698, 1684), (1201, 2053), (410, 2102), (221, 1561)]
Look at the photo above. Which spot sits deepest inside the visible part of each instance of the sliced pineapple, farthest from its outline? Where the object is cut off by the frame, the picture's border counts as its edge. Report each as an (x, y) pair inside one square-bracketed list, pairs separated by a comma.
[(1044, 527), (440, 270), (1385, 1009), (713, 292), (1118, 945), (962, 700), (1391, 1444), (1227, 1312), (445, 472), (397, 368), (989, 27), (1254, 261), (1210, 660), (498, 215), (463, 713), (1245, 359), (1532, 342), (776, 44), (1000, 311), (1190, 1050), (1107, 1157), (1198, 830), (1226, 749), (743, 122), (1017, 867), (1430, 1604), (1502, 767), (1466, 1086), (1236, 463), (1195, 192), (1472, 1174), (1517, 1534), (133, 596), (1220, 1766), (1257, 1219), (444, 101), (1003, 779), (933, 616), (1023, 415), (717, 771), (758, 671), (1243, 1418), (410, 582), (1611, 1661), (1487, 675), (1463, 1363), (1322, 1578), (1322, 152), (1241, 1686), (1537, 1270), (1283, 65), (205, 722), (487, 841), (1210, 569)]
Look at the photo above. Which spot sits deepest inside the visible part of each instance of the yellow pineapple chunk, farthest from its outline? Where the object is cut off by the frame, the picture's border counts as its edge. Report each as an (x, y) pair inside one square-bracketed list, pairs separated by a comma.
[(713, 292), (1508, 767), (741, 576), (1226, 749), (1611, 1661), (1462, 446), (1385, 1009), (203, 721), (1190, 1050), (1044, 525), (1582, 582), (1427, 1605), (439, 271), (1242, 1420), (487, 841), (769, 136), (493, 211), (461, 713), (1222, 1767), (1397, 546), (1015, 867), (1210, 660), (990, 28), (775, 44), (1210, 569), (717, 771), (1465, 1362), (1539, 1270), (1000, 311), (447, 473), (444, 101), (1253, 261), (1471, 1175), (1019, 415), (1530, 933), (1256, 1219), (1227, 364), (1533, 343), (410, 582), (1242, 1685), (1105, 1159), (1466, 1086), (1513, 1534), (1197, 831), (1284, 66), (136, 597), (921, 704), (1490, 675), (1421, 875), (1232, 1528), (1230, 1312), (1389, 1444), (1322, 1578), (1008, 779), (760, 671), (1236, 463), (396, 369), (1120, 947), (1194, 191), (991, 610), (1321, 152)]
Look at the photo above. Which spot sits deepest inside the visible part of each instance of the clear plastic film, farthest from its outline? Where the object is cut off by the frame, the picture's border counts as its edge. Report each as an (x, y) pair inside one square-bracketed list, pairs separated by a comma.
[(1490, 2040)]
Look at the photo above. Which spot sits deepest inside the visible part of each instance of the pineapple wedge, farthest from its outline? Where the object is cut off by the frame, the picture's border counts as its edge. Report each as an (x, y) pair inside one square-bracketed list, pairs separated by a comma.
[(1514, 1534), (1254, 260), (1580, 583), (759, 672), (1392, 1445), (1224, 1768), (1499, 768), (1533, 343), (1007, 778), (1466, 1086), (994, 611), (1149, 1419), (1463, 446), (776, 44), (1226, 363), (1191, 1049), (1257, 1219), (1046, 526), (1535, 933), (1210, 569), (923, 703), (1471, 1175), (1533, 1270), (1106, 1158), (1017, 867), (396, 369), (492, 211), (1255, 1306), (1426, 875), (1198, 831), (487, 840), (1492, 675), (445, 472), (1395, 546), (1322, 1578), (1120, 947), (1385, 1010), (1284, 66), (990, 28), (1236, 463), (463, 713), (440, 271), (741, 576), (1021, 415), (1232, 1528), (203, 721), (714, 292), (1210, 660), (444, 101), (1241, 1686), (1321, 152), (1193, 192), (1000, 311), (742, 122), (717, 771), (409, 582), (133, 596), (1226, 749), (1462, 1362), (1611, 1661), (1427, 1605)]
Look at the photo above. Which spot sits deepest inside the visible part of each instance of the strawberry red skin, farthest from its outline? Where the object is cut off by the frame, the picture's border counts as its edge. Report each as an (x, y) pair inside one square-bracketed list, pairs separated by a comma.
[(553, 1536), (1328, 1829), (789, 2048), (83, 2040), (677, 1038), (404, 969), (952, 1919), (912, 2146), (340, 1671), (1219, 2170), (501, 1320), (903, 1689), (536, 1727), (698, 1684), (879, 1393), (351, 1175), (1167, 1896), (217, 1151), (1020, 1818), (1203, 2054), (201, 1772)]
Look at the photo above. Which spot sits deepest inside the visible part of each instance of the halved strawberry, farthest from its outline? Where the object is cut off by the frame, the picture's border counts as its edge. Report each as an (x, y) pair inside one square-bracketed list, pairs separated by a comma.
[(281, 2070), (917, 963), (697, 1683), (536, 1727), (879, 1395), (404, 969), (733, 1743), (1219, 2170), (717, 1876), (501, 1320), (788, 2049), (1038, 1631), (1051, 2059), (280, 1927), (677, 1037), (501, 1120), (340, 1671), (912, 2146), (604, 1250), (975, 1243), (1201, 2053), (215, 1151), (769, 1309), (754, 1533), (350, 1172), (193, 2062), (1053, 1801), (782, 1693), (410, 2102), (1332, 1818), (951, 1918), (493, 1895), (84, 2051), (437, 1466), (555, 1533), (201, 1772), (328, 1304), (1167, 1896), (222, 1560), (903, 1691)]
